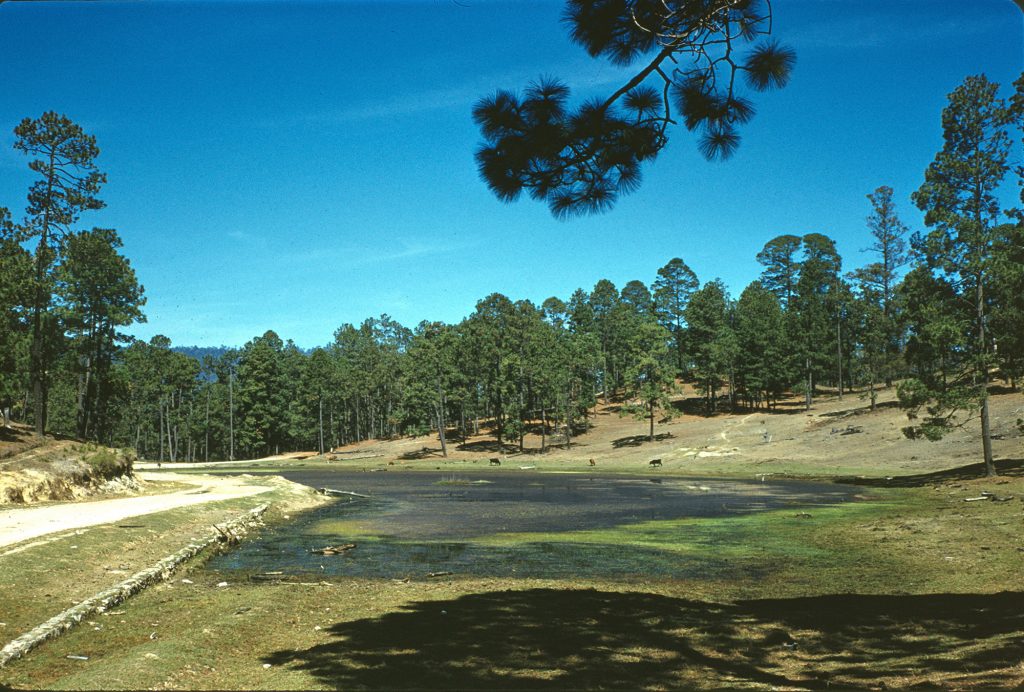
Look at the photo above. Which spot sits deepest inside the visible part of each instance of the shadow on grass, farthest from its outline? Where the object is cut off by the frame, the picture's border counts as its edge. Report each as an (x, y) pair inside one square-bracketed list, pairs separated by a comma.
[(555, 639), (860, 410), (14, 435), (422, 453), (637, 440), (1004, 467), (488, 446), (697, 406)]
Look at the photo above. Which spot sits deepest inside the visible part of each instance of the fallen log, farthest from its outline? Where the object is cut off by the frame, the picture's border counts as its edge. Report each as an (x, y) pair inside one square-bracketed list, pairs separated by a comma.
[(226, 535), (271, 577), (333, 549), (332, 491)]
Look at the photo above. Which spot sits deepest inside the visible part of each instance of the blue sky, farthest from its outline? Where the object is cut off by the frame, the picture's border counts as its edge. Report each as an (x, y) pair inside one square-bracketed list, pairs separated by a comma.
[(295, 166)]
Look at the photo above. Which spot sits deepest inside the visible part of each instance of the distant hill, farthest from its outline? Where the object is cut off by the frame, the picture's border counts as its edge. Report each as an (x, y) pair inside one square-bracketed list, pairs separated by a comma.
[(198, 352)]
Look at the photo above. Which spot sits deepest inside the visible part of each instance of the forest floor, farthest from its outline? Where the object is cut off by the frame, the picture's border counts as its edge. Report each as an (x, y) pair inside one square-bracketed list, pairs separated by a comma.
[(913, 583)]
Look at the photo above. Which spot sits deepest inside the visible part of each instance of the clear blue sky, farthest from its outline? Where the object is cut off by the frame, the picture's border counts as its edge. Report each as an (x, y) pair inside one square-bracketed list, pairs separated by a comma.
[(295, 166)]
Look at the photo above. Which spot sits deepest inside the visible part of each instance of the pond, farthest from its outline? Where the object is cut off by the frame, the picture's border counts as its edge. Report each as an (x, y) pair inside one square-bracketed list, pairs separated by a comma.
[(416, 524)]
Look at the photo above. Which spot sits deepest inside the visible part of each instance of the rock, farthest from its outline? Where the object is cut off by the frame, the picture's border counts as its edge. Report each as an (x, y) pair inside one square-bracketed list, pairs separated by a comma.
[(778, 637)]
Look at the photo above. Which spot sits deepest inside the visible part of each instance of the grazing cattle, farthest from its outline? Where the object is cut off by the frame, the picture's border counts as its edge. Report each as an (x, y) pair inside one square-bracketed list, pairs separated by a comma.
[(593, 463), (654, 462), (495, 462)]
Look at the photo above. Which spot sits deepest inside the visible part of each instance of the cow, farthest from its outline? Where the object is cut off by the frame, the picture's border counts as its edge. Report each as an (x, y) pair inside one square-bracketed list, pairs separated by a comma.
[(654, 462)]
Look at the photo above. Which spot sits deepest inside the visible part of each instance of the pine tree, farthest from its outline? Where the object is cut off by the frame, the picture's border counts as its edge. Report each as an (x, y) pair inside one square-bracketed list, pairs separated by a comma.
[(876, 282), (672, 290), (68, 184), (711, 338), (762, 368), (649, 376), (262, 405), (961, 207), (15, 295), (98, 293), (579, 160)]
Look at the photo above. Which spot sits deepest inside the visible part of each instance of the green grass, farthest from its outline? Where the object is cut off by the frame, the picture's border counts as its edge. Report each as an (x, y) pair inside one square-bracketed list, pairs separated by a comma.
[(782, 532)]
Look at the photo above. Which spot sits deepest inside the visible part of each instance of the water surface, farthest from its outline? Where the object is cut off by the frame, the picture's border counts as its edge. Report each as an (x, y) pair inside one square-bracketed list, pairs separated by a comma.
[(416, 523)]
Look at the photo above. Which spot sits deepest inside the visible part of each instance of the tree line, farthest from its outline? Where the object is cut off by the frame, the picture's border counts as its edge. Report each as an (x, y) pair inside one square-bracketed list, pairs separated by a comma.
[(940, 313)]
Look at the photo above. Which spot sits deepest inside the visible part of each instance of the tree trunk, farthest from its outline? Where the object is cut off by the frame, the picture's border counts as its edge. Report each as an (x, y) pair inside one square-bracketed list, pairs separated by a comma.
[(440, 431), (161, 408), (330, 422), (206, 442), (543, 429), (810, 387), (499, 421), (231, 416), (839, 353), (83, 393), (320, 401), (986, 433), (650, 436), (568, 420)]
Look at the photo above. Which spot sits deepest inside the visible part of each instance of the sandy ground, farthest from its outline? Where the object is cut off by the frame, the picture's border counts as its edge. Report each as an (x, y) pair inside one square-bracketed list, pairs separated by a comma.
[(26, 523)]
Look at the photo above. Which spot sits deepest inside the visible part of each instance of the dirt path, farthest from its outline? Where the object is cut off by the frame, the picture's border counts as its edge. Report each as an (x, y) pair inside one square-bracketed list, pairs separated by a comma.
[(26, 523), (732, 424)]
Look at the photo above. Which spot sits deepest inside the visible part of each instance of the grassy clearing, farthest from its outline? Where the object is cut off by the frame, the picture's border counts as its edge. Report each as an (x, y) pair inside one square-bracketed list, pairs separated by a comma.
[(899, 589)]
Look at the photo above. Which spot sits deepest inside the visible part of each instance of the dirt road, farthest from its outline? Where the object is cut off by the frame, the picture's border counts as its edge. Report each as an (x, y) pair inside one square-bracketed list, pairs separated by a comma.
[(25, 523)]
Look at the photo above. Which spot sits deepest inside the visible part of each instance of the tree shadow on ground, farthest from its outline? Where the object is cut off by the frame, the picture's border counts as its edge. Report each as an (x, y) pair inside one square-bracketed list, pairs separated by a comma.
[(637, 440), (860, 410), (547, 639), (422, 453), (20, 438), (488, 446), (1004, 467), (13, 435), (697, 406)]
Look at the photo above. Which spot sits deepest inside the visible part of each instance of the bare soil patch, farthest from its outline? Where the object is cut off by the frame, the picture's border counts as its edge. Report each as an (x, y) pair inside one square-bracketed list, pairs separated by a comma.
[(26, 523), (836, 437)]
